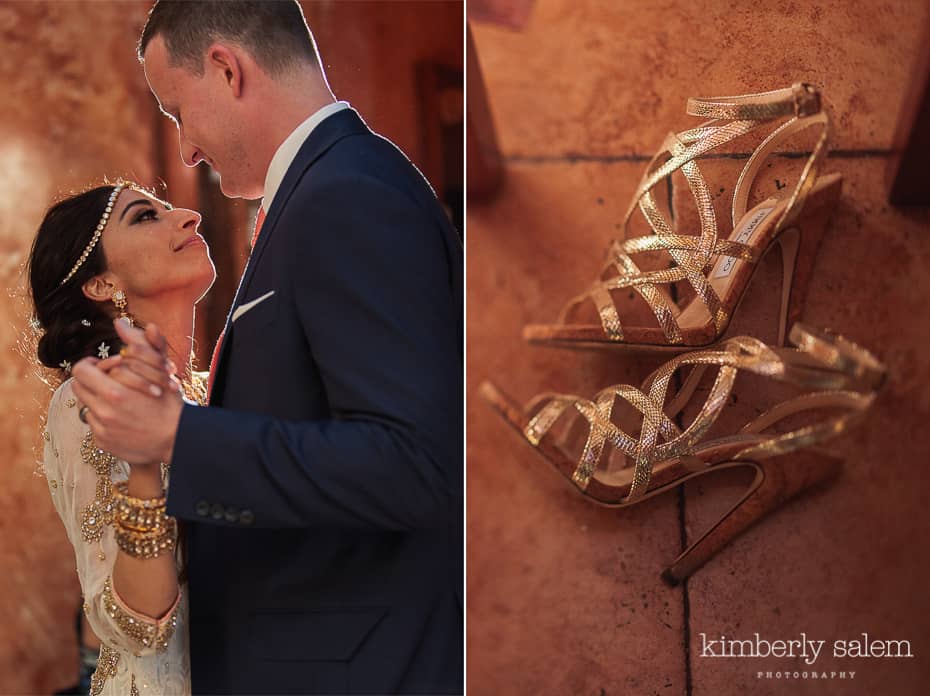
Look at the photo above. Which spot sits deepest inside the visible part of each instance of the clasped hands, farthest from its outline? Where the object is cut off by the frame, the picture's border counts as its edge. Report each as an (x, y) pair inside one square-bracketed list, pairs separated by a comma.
[(133, 401)]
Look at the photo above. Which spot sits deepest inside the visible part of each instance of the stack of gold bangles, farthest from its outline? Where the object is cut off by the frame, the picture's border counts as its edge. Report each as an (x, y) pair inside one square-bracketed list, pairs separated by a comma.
[(143, 528)]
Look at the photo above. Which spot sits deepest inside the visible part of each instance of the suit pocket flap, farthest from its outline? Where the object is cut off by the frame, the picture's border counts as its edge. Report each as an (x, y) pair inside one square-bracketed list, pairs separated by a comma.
[(321, 634)]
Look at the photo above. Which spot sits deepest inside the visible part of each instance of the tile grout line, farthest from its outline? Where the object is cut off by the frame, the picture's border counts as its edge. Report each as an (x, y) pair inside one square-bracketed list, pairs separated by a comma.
[(686, 602), (683, 544), (682, 533), (575, 158)]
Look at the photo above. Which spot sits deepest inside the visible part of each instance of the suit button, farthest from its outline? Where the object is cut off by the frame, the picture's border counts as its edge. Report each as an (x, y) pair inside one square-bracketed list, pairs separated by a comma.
[(217, 511), (202, 508), (232, 514), (246, 517)]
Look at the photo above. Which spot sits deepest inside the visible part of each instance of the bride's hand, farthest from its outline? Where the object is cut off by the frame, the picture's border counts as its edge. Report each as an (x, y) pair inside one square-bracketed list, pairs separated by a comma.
[(137, 374), (145, 370), (129, 422)]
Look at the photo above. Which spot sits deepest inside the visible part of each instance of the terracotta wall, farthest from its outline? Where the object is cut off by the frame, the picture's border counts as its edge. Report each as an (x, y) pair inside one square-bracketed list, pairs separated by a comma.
[(74, 107), (371, 49), (564, 597)]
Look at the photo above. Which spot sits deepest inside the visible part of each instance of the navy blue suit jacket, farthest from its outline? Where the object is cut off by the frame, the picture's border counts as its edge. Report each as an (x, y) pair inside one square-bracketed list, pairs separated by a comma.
[(322, 488)]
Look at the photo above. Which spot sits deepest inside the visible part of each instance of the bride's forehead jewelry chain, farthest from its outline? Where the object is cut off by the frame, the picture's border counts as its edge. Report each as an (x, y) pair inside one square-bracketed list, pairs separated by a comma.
[(97, 232)]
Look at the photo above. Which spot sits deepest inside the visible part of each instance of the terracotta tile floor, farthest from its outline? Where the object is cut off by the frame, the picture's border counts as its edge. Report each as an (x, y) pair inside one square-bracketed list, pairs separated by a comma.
[(564, 597)]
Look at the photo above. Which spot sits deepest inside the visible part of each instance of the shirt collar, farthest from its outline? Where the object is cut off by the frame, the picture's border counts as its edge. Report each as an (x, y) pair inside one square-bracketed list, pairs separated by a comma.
[(287, 151)]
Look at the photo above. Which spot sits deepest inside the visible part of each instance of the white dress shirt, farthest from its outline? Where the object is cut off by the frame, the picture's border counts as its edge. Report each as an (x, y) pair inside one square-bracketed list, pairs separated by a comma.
[(287, 151)]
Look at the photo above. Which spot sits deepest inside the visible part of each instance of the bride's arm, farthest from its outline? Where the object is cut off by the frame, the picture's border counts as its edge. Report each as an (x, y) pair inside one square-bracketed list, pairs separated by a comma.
[(130, 603), (147, 585)]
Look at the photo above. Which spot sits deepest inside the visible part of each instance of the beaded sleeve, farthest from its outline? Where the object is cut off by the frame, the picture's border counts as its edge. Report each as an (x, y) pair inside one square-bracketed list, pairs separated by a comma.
[(80, 479)]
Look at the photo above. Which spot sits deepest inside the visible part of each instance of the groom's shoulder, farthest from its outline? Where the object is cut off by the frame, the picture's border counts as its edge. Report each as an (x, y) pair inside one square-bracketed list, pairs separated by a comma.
[(363, 152), (366, 157)]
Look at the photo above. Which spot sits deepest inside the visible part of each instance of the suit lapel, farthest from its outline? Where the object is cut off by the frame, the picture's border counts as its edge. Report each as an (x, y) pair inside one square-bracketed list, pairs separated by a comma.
[(324, 136)]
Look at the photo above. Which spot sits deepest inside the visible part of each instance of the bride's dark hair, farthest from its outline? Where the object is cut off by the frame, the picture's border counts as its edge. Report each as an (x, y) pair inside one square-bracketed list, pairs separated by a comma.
[(72, 325)]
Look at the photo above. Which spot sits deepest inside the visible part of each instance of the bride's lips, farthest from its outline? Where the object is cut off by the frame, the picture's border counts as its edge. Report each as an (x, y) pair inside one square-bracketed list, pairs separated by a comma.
[(193, 239)]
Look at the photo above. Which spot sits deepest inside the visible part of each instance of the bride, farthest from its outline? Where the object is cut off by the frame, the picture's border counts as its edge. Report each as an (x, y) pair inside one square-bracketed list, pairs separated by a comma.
[(111, 252)]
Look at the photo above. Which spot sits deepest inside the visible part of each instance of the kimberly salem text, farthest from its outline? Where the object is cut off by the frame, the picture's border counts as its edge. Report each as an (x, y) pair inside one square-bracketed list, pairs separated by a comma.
[(803, 646)]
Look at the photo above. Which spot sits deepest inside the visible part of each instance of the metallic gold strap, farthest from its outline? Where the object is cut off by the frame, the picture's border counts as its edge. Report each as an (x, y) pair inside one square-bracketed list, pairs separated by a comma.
[(685, 242), (660, 439), (855, 405), (714, 137), (539, 425), (800, 99), (839, 353), (693, 255), (806, 179), (610, 320), (664, 311), (849, 400)]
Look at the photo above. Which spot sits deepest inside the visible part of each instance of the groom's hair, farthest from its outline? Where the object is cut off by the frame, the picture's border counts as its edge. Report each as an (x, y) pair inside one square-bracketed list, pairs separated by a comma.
[(274, 32)]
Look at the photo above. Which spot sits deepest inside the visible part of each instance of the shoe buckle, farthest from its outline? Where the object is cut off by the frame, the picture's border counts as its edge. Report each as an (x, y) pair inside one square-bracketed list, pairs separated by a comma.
[(806, 100)]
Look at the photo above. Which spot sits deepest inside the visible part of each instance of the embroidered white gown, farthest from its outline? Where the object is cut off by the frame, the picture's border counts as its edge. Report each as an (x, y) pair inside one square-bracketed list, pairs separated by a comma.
[(139, 654)]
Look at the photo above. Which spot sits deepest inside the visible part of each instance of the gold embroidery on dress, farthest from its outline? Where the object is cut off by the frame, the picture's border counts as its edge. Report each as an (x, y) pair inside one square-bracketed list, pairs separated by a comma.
[(196, 390), (97, 514), (106, 668), (144, 633), (133, 691)]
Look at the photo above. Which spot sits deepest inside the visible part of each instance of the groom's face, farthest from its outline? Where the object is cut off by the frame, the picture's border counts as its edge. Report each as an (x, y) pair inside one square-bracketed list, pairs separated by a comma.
[(205, 114)]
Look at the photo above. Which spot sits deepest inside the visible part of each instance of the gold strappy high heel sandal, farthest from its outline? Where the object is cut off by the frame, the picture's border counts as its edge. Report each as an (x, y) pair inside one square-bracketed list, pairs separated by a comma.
[(718, 269), (649, 453)]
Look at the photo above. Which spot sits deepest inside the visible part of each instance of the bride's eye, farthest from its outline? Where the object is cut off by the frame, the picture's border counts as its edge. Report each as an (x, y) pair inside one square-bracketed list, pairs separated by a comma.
[(148, 214)]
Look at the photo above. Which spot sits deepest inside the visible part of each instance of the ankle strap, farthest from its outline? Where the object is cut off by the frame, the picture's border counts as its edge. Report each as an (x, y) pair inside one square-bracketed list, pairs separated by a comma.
[(767, 148), (801, 99), (839, 353)]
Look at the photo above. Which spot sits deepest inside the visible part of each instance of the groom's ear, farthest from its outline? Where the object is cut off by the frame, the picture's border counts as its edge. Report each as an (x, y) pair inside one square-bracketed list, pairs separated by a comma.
[(100, 288), (226, 61)]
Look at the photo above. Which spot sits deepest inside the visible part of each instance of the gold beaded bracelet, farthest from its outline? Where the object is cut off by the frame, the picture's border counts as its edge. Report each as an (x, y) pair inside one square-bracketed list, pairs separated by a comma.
[(147, 545), (121, 493), (143, 528), (138, 514), (132, 518)]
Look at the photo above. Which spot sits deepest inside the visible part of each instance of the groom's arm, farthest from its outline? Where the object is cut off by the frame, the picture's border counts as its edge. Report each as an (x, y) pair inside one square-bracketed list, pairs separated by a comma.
[(371, 280)]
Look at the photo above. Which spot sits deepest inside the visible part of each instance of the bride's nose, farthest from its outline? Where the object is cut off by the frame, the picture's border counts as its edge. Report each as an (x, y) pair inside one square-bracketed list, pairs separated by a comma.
[(190, 219)]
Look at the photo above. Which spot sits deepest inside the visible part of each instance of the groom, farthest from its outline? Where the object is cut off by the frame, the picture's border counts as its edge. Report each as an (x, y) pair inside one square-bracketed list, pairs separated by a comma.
[(321, 490)]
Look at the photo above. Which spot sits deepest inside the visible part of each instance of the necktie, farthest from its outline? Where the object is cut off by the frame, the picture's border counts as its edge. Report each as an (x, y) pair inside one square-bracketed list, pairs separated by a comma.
[(259, 221)]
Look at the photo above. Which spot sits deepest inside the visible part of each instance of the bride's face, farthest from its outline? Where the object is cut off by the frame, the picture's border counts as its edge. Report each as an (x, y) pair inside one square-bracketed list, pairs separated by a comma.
[(153, 249)]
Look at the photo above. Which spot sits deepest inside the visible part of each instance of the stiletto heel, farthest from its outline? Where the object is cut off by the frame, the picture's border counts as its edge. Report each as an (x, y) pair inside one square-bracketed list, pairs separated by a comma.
[(777, 481), (789, 242), (837, 381), (718, 268), (800, 244)]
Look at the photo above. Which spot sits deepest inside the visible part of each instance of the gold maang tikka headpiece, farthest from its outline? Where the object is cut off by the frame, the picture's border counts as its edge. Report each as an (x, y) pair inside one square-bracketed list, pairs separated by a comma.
[(97, 233)]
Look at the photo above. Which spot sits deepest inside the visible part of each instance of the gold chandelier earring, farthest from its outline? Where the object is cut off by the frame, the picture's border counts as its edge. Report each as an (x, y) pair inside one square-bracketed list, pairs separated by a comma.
[(119, 299)]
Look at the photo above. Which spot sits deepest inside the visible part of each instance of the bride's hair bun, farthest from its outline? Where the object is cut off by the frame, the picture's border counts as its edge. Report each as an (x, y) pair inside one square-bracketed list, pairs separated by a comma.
[(63, 310)]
